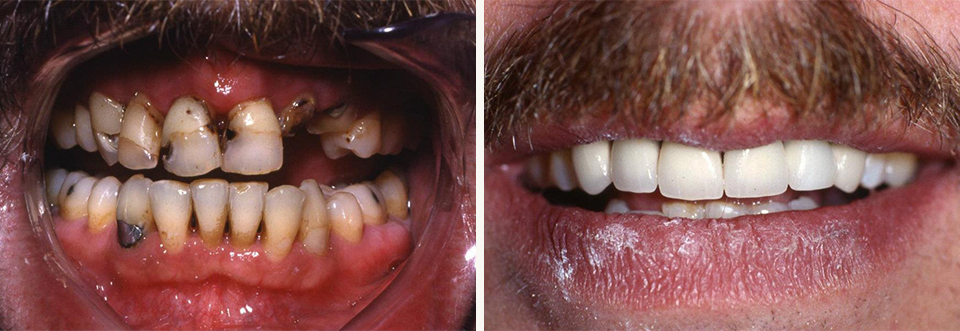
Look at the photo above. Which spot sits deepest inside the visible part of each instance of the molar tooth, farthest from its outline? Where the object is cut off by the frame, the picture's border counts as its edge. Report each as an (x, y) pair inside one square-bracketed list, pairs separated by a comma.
[(193, 142), (689, 173), (106, 114), (282, 213), (102, 206), (755, 172), (63, 125), (68, 183), (76, 199), (363, 136), (257, 147), (561, 170), (873, 167), (333, 120), (811, 164), (346, 217), (297, 113), (210, 197), (54, 180), (899, 168), (133, 203), (107, 145), (394, 194), (591, 163), (139, 143), (315, 227), (683, 210), (849, 163), (171, 206), (85, 137), (246, 210), (633, 163), (370, 206), (719, 209)]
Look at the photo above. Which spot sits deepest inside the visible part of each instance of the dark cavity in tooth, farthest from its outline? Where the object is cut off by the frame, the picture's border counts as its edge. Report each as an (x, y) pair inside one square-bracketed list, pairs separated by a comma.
[(296, 113), (336, 111), (128, 234)]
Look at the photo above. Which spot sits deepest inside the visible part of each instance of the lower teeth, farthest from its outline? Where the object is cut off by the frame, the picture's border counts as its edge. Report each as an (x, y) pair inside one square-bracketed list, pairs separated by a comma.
[(713, 209)]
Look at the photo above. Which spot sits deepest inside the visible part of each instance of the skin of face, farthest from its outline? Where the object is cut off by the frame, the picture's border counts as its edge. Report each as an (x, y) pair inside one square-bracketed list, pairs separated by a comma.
[(922, 293)]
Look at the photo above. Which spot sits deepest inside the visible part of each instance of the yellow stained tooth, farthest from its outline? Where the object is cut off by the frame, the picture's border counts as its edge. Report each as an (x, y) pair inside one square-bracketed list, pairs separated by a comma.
[(257, 147), (74, 205), (373, 212), (133, 203), (139, 142), (363, 137), (85, 137), (194, 147), (68, 183), (334, 120), (171, 206), (394, 194), (106, 114), (315, 227), (346, 218), (282, 213), (210, 205), (246, 211), (102, 206), (298, 112)]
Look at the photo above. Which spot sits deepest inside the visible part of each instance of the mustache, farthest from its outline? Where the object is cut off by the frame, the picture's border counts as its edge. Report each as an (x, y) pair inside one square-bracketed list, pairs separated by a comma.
[(654, 62)]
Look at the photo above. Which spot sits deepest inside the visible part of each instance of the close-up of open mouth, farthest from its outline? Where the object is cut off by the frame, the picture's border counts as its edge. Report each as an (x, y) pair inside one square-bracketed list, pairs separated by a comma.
[(201, 165)]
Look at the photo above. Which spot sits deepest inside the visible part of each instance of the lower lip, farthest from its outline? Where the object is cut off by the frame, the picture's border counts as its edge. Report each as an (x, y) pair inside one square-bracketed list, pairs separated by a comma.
[(573, 259)]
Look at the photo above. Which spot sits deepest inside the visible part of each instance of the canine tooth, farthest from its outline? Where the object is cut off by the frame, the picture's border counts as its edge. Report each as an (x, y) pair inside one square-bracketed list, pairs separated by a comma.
[(719, 209), (102, 206), (54, 180), (314, 230), (873, 168), (139, 143), (75, 202), (633, 163), (297, 113), (689, 173), (133, 203), (394, 194), (105, 113), (849, 163), (346, 217), (802, 203), (257, 147), (67, 186), (370, 207), (246, 210), (171, 205), (194, 147), (591, 163), (811, 164), (561, 170), (107, 145), (755, 172), (282, 213), (768, 208), (85, 137), (210, 197), (63, 125), (392, 128), (616, 206), (337, 120), (899, 168), (363, 137), (683, 210)]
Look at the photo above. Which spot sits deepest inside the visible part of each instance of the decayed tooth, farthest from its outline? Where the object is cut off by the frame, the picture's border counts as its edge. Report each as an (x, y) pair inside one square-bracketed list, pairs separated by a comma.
[(802, 203), (392, 129), (257, 147), (68, 183), (314, 230), (64, 129), (210, 197), (755, 172), (683, 210), (332, 144), (297, 113), (873, 167), (53, 179), (194, 147), (333, 120), (633, 164), (849, 163), (394, 194), (899, 168), (689, 173), (106, 113), (811, 165), (282, 212), (85, 137), (346, 217), (171, 205), (102, 206), (719, 209), (591, 163), (768, 208), (246, 210), (133, 204), (107, 145), (371, 208), (561, 170), (74, 205), (139, 142), (363, 137)]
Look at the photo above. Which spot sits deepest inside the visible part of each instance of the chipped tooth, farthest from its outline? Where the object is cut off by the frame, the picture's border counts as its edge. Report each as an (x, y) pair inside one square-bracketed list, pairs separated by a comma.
[(106, 114), (811, 164), (768, 208), (257, 147), (54, 180), (719, 209), (346, 217), (363, 137), (633, 164), (85, 137), (616, 206), (561, 170), (171, 205), (210, 197), (873, 167), (297, 113), (689, 173), (683, 210), (333, 120), (282, 213), (394, 194), (74, 206), (107, 145), (246, 210), (591, 163), (392, 128), (64, 128), (133, 203), (314, 230), (68, 183), (849, 164), (802, 203), (899, 168), (755, 172), (102, 206), (371, 208), (332, 144), (139, 142), (194, 147)]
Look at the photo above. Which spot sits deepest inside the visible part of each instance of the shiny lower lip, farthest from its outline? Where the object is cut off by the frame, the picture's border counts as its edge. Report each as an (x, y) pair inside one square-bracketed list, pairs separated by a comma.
[(635, 263)]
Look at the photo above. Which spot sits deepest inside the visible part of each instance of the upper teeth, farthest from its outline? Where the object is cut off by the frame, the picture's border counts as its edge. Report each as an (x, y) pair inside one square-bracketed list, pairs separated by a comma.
[(194, 147), (691, 173)]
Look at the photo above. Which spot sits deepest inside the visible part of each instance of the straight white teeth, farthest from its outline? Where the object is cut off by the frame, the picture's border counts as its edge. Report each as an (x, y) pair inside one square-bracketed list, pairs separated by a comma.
[(755, 172), (689, 173), (257, 145), (194, 147), (634, 165), (811, 165), (849, 163), (591, 163), (714, 209)]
